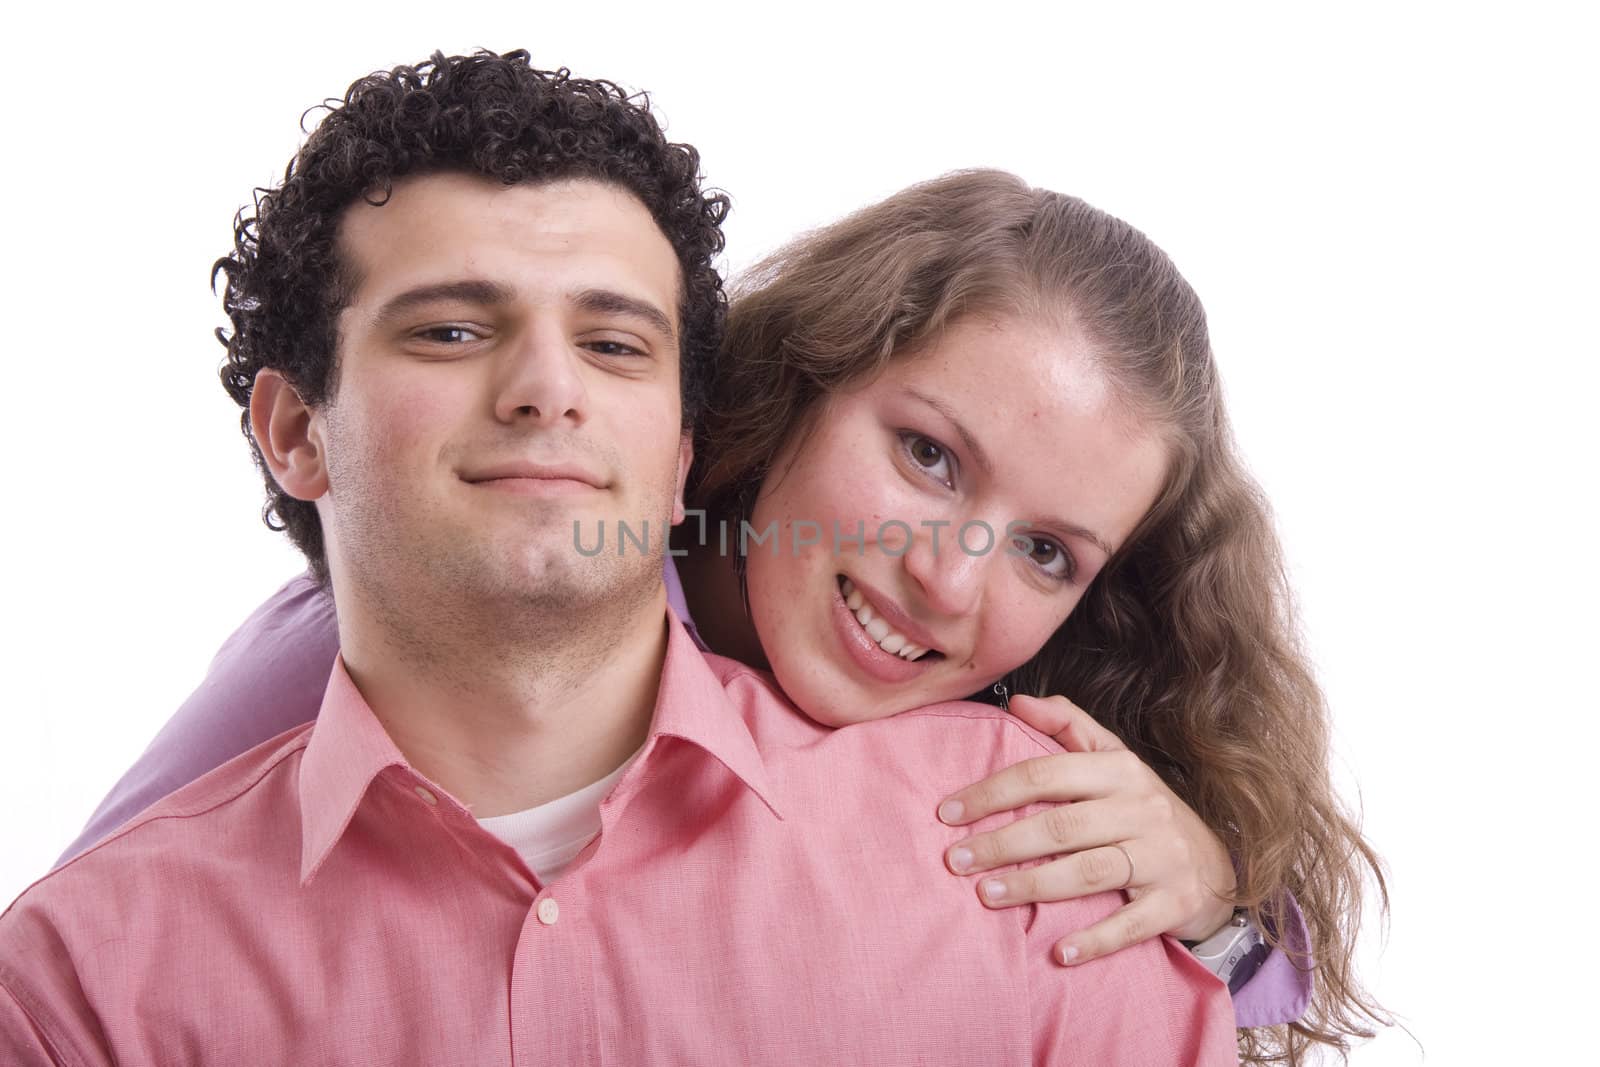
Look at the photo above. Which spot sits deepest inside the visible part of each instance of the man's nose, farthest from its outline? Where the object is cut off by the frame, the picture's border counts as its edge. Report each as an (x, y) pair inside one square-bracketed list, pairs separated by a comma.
[(541, 378), (947, 568)]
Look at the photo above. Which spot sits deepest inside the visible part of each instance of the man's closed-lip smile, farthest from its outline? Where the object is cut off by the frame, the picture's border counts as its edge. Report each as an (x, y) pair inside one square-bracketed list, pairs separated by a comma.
[(535, 479)]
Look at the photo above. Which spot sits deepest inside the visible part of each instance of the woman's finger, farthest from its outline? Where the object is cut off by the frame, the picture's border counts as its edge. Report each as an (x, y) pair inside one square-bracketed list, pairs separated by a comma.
[(1096, 870), (1072, 727), (1053, 778), (1128, 925), (1064, 828)]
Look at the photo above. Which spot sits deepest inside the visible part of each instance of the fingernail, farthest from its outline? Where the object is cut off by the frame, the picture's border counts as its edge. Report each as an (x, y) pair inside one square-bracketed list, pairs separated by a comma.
[(960, 859), (951, 811), (1069, 954), (994, 889)]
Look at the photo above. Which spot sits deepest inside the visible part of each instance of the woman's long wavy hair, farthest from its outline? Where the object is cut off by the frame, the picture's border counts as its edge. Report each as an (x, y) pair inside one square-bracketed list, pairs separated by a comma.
[(1185, 645)]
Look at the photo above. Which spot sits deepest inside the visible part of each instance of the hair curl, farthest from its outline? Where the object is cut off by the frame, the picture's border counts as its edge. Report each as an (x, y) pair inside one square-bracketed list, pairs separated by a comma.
[(1185, 644), (486, 114)]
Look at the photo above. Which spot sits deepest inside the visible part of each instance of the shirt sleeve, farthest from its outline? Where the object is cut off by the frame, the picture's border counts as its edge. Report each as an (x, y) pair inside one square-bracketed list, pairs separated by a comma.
[(268, 677), (1150, 1005), (1280, 990)]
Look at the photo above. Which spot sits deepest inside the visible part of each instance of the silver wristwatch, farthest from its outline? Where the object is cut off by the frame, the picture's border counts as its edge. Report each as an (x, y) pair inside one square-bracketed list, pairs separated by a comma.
[(1234, 953)]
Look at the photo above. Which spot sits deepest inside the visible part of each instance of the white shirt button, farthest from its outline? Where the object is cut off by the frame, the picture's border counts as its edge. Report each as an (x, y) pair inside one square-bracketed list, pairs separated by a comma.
[(427, 795), (549, 911)]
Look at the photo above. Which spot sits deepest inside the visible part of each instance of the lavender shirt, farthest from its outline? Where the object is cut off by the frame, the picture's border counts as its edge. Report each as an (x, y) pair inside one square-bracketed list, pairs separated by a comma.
[(269, 677)]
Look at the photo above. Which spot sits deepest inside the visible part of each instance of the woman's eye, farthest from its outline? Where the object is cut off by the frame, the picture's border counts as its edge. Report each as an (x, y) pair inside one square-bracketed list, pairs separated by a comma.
[(1048, 556), (929, 456)]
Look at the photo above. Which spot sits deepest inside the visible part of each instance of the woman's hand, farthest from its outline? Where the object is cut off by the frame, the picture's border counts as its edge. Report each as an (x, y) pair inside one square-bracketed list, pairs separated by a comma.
[(1118, 826)]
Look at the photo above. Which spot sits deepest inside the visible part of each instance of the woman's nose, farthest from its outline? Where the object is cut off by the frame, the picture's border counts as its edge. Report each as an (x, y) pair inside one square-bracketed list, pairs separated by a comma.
[(947, 564)]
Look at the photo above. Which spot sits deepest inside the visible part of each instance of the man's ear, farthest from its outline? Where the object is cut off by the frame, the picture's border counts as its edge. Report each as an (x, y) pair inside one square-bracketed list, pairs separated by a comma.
[(289, 434), (685, 458)]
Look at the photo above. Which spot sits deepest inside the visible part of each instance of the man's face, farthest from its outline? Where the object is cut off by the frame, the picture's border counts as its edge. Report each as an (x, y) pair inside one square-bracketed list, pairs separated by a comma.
[(507, 368)]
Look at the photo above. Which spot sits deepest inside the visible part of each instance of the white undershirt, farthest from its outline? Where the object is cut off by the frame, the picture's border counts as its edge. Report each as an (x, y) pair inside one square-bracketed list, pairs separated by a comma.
[(551, 835)]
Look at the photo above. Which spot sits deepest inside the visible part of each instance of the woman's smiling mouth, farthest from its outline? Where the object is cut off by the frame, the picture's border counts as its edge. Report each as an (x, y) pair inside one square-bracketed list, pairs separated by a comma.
[(876, 627)]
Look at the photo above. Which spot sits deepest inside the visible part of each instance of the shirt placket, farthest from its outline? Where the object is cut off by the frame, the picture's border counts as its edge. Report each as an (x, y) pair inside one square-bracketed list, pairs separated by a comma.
[(554, 1018)]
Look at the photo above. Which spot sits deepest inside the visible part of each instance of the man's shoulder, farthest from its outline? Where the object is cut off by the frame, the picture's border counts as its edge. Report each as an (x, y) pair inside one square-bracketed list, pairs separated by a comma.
[(950, 738), (956, 742), (963, 716), (208, 820), (182, 874), (218, 794), (980, 718)]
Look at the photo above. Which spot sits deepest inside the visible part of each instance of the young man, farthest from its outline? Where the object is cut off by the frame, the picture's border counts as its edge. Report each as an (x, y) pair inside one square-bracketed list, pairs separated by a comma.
[(474, 315)]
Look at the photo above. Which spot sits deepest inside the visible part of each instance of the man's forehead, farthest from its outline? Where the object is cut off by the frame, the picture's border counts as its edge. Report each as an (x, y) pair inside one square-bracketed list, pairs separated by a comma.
[(554, 238)]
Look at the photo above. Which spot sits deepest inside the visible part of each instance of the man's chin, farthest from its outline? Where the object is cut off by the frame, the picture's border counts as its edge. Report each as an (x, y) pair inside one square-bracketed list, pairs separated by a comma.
[(564, 584)]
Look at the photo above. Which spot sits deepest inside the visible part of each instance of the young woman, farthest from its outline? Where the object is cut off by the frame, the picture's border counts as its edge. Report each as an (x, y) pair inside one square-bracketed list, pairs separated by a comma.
[(976, 354), (972, 355)]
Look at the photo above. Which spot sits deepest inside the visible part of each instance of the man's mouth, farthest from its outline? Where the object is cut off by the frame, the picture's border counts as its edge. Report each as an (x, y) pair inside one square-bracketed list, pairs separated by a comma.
[(877, 629), (517, 470)]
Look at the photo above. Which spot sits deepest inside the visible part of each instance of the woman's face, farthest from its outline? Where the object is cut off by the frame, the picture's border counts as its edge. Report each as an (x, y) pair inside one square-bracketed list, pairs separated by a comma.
[(885, 510)]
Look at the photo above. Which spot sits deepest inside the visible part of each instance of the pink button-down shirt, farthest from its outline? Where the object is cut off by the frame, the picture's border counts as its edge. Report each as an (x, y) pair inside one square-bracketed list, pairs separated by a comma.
[(760, 893)]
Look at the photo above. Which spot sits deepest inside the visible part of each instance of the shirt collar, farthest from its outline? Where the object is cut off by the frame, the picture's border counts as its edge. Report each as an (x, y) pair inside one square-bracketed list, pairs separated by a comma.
[(692, 705), (348, 747), (347, 750)]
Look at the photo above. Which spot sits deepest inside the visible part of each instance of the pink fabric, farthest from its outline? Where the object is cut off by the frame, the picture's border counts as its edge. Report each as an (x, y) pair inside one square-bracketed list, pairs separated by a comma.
[(760, 893), (269, 676)]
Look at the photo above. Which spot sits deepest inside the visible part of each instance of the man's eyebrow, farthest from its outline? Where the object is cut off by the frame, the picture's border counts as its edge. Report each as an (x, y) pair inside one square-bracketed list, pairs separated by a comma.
[(982, 459), (611, 302), (470, 291)]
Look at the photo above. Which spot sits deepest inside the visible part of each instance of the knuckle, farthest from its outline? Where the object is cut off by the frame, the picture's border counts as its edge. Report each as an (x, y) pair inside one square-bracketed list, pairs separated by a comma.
[(980, 799), (987, 851), (1062, 824), (1090, 942), (1097, 867), (1159, 808), (1135, 928), (1037, 773)]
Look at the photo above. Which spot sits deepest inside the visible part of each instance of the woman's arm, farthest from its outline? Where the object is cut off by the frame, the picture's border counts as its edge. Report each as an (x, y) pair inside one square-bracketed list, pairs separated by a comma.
[(1118, 826), (267, 678)]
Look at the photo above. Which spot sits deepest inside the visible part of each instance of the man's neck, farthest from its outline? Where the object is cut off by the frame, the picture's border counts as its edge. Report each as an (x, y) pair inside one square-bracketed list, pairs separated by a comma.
[(507, 717)]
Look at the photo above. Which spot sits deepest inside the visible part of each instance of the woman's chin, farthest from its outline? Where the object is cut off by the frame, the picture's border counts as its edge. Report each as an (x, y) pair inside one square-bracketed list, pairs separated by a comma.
[(833, 703)]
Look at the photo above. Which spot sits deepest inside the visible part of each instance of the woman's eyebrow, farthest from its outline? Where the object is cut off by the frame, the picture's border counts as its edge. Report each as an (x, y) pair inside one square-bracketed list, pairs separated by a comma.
[(467, 290), (981, 457)]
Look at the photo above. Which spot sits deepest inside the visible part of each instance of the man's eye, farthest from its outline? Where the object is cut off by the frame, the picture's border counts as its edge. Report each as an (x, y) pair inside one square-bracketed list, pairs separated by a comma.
[(1048, 556), (929, 456), (612, 348), (447, 335)]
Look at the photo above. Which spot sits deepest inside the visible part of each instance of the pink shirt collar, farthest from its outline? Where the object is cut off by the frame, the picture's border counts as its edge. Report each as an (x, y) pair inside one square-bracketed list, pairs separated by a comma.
[(348, 747)]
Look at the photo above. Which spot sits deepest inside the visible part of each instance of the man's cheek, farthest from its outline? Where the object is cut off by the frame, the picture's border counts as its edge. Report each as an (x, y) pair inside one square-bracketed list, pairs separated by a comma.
[(398, 424)]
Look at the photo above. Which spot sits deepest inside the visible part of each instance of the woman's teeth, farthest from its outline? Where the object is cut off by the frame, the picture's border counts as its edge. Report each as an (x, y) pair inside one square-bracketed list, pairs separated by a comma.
[(876, 628)]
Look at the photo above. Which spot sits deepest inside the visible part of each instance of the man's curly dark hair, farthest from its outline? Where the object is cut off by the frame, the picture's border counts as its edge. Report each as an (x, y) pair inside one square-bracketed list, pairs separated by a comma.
[(487, 114)]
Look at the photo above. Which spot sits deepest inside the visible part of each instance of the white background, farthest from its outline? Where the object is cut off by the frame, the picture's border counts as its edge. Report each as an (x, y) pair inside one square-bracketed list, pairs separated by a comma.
[(1389, 211)]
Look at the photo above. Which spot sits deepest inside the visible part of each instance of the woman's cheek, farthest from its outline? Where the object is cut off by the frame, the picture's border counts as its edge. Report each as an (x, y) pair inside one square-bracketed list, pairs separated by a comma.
[(1020, 631)]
